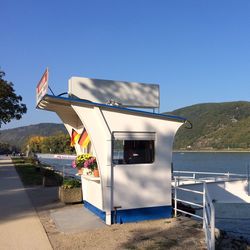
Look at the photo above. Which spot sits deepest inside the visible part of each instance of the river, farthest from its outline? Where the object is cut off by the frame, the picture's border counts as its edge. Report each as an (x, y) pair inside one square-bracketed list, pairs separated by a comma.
[(234, 162)]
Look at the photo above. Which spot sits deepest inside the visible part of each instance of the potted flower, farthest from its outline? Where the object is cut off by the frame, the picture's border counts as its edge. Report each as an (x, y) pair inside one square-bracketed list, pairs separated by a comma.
[(74, 165), (70, 191), (91, 164), (79, 162)]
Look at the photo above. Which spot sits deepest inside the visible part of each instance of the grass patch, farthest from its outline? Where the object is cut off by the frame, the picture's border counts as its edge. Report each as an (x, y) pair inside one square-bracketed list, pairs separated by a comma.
[(29, 174), (32, 174)]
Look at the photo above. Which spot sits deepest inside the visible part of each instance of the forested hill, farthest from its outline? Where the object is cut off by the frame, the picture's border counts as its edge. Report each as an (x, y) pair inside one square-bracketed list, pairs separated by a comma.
[(215, 126), (18, 136)]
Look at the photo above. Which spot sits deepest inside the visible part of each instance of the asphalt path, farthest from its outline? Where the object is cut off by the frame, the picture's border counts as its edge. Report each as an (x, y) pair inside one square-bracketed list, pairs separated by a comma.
[(20, 227)]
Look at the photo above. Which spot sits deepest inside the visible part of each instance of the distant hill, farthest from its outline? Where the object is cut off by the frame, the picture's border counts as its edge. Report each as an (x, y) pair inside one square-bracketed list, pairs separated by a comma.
[(215, 126), (18, 136)]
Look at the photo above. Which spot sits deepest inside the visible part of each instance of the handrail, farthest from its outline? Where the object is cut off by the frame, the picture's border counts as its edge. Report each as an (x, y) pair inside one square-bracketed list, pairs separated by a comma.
[(197, 176), (187, 189), (190, 203), (228, 174), (208, 211)]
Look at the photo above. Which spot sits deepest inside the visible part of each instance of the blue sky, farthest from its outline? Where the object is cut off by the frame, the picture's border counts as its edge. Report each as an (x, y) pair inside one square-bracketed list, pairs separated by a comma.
[(197, 51)]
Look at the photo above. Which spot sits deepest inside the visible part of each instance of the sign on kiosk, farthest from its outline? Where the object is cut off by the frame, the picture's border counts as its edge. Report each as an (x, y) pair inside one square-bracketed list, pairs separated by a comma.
[(42, 86)]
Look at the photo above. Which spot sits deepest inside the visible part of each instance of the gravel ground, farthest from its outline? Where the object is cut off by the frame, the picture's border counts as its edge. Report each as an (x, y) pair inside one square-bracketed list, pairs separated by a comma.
[(179, 233), (175, 233), (160, 234)]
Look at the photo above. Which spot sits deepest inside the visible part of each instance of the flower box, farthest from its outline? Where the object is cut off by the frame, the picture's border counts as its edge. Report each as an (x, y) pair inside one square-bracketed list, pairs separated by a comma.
[(70, 195), (70, 191)]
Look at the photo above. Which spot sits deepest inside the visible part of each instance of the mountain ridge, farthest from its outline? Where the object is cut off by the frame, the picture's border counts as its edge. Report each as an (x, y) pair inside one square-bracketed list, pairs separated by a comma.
[(224, 125), (18, 136)]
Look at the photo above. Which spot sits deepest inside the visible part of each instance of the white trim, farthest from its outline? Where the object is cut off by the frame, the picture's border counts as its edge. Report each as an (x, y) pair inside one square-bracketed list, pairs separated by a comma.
[(130, 135)]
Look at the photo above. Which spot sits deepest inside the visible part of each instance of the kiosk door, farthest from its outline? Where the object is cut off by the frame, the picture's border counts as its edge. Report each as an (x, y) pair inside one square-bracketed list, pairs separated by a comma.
[(133, 155)]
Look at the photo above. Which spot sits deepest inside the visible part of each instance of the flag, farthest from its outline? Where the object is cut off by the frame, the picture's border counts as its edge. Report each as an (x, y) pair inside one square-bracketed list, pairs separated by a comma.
[(74, 137), (84, 139)]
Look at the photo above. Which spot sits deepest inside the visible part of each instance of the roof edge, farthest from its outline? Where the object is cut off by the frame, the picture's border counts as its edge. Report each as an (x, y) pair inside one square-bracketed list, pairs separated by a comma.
[(70, 101)]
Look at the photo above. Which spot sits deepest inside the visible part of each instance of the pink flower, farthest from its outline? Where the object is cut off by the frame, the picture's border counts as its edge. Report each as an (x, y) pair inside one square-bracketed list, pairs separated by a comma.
[(90, 163), (73, 164)]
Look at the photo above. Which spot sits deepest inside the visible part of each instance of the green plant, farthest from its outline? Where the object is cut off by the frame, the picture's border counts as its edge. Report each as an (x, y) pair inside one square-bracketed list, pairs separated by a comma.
[(69, 183)]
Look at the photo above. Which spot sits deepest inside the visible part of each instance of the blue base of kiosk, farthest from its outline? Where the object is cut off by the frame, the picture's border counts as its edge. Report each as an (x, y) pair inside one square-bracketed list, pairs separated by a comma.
[(133, 215)]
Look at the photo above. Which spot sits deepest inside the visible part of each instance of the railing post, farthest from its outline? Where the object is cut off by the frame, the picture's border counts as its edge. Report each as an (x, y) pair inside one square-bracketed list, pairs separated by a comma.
[(248, 179), (175, 197), (212, 228), (204, 204), (208, 210)]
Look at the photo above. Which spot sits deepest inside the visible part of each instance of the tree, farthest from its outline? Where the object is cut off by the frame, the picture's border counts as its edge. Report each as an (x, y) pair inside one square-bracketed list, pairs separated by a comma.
[(35, 143), (10, 103), (5, 148), (56, 144)]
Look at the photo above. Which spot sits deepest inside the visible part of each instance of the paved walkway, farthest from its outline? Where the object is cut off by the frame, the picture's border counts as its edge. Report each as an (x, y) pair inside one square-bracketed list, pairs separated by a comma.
[(20, 227)]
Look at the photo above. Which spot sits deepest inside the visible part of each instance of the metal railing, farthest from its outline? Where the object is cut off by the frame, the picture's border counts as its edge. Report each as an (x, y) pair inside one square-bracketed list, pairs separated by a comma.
[(195, 176), (208, 216)]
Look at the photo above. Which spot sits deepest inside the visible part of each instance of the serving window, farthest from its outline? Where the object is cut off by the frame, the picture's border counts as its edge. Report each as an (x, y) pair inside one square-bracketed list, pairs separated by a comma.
[(133, 148)]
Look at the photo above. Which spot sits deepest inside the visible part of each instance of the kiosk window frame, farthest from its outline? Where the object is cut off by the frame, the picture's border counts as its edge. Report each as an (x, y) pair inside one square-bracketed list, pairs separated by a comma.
[(133, 148)]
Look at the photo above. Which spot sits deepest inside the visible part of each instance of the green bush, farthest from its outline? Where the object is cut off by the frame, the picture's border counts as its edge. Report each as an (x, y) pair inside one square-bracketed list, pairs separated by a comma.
[(71, 183)]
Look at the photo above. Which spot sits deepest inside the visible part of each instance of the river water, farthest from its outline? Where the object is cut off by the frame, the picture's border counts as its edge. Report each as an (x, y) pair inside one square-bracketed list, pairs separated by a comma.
[(189, 161), (194, 161), (233, 162)]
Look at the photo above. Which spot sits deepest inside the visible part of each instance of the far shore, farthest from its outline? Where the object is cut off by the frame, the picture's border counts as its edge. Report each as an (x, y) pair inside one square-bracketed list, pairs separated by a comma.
[(212, 151)]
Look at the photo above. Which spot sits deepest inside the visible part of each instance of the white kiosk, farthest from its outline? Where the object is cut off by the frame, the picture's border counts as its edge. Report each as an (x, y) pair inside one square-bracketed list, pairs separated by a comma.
[(133, 148)]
